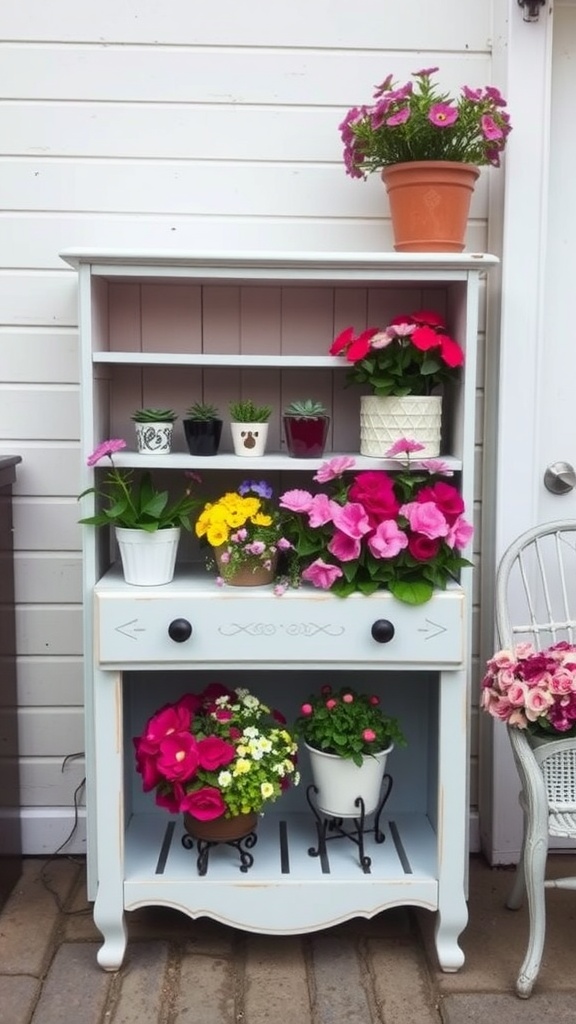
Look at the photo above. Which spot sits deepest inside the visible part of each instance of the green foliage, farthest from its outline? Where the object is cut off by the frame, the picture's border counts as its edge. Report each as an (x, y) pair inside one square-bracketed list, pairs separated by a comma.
[(202, 412), (137, 505), (308, 409), (154, 416), (346, 723), (247, 412)]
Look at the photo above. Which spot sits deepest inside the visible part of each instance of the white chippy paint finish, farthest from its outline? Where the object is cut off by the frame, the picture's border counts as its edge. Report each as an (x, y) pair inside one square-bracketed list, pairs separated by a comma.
[(120, 126)]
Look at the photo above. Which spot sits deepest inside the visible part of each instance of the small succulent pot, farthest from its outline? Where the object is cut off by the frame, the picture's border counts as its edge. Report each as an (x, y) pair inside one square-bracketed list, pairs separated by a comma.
[(249, 428), (203, 429), (154, 430), (249, 439), (305, 429)]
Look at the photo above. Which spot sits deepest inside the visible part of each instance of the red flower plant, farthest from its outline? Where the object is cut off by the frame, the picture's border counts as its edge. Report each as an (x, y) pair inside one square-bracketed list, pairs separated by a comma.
[(217, 753), (414, 355)]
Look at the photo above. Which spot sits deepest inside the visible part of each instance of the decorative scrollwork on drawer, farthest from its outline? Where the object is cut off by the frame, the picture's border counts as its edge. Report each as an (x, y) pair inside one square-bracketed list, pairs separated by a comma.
[(292, 629)]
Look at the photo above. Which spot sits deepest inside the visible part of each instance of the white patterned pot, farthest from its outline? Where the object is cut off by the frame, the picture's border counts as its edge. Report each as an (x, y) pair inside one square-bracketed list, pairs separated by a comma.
[(154, 438), (386, 420), (148, 559), (249, 439), (339, 782)]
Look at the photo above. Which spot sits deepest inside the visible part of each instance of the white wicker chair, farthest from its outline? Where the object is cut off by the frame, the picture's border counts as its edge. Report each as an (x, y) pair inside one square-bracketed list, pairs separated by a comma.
[(536, 602)]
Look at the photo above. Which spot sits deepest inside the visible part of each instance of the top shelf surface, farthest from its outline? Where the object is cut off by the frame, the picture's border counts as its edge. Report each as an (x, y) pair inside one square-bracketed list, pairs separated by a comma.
[(275, 266)]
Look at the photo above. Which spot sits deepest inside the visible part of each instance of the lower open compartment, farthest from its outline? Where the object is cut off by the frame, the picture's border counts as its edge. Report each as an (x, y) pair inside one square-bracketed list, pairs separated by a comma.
[(286, 890)]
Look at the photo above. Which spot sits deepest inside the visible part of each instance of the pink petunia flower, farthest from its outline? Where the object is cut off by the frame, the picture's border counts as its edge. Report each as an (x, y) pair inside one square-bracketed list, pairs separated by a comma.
[(322, 510), (115, 444), (460, 533), (442, 115), (351, 519), (425, 517), (321, 574), (334, 468), (388, 540), (404, 446), (344, 548), (296, 500)]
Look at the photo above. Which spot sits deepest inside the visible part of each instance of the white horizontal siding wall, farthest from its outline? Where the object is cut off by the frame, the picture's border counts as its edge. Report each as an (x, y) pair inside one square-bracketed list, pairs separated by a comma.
[(150, 125)]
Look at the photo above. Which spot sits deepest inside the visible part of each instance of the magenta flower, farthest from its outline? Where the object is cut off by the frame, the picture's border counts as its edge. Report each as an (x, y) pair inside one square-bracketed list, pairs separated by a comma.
[(442, 115), (490, 129), (306, 709), (321, 574), (369, 735), (425, 517), (334, 468), (437, 466), (400, 117), (115, 444), (283, 544), (459, 534)]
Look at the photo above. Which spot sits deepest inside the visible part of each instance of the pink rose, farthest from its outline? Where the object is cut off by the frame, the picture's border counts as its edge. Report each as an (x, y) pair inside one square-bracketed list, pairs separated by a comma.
[(537, 703), (204, 804), (330, 704), (347, 698), (374, 490), (369, 735), (306, 709), (423, 549)]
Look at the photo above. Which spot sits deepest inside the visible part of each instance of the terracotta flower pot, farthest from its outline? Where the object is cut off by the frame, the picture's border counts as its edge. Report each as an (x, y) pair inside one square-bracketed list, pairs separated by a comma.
[(252, 573), (429, 204)]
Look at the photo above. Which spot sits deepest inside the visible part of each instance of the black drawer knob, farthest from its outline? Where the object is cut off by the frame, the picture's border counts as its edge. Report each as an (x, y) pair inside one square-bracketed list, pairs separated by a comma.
[(179, 630), (382, 631)]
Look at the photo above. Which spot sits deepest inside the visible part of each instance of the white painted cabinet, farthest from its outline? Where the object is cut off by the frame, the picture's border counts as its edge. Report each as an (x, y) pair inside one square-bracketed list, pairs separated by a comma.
[(167, 329)]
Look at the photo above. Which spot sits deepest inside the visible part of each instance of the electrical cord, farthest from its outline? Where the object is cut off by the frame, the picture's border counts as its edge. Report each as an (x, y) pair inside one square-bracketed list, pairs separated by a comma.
[(43, 876)]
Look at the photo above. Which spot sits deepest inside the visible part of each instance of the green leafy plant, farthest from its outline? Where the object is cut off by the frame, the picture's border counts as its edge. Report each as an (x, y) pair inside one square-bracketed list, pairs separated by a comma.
[(347, 724), (218, 753), (247, 412), (417, 121), (202, 412), (308, 409), (154, 416), (136, 504)]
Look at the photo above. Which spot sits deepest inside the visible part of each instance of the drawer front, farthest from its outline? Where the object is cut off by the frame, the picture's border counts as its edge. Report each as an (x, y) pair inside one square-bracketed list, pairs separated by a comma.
[(246, 629)]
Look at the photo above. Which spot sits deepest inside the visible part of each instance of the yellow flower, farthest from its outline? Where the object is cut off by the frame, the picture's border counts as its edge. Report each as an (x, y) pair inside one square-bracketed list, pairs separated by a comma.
[(262, 520), (217, 534), (241, 767), (267, 790)]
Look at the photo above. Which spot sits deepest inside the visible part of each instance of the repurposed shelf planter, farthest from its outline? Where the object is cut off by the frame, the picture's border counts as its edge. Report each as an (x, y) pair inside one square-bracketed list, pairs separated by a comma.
[(142, 644)]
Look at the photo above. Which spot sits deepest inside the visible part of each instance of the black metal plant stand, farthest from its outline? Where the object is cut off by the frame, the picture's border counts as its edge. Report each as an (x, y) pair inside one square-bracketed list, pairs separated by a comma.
[(328, 824), (204, 846)]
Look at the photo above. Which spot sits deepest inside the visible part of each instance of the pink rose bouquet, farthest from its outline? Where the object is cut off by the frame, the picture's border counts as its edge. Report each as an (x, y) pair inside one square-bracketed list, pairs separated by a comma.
[(533, 690), (414, 355), (218, 753), (399, 531)]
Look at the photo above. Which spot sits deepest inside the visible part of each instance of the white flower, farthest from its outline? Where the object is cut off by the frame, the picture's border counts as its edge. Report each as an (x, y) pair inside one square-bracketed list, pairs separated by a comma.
[(224, 779), (251, 731), (251, 702), (267, 790), (264, 744)]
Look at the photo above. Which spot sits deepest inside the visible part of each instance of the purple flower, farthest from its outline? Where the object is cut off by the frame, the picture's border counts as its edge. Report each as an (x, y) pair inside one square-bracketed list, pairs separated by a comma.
[(490, 129), (400, 117), (259, 487)]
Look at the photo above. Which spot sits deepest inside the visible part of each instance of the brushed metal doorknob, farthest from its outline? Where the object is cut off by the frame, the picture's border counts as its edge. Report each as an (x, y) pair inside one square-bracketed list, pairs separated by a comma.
[(180, 630), (560, 478)]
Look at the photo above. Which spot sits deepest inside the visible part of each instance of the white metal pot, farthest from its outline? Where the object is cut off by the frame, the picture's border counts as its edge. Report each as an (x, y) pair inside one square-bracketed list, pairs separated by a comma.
[(148, 559), (154, 438), (339, 782), (249, 439), (386, 420)]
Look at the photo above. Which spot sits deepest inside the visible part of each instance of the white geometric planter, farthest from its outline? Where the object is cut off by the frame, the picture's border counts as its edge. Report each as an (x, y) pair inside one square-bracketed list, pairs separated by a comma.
[(340, 782), (386, 420), (148, 559)]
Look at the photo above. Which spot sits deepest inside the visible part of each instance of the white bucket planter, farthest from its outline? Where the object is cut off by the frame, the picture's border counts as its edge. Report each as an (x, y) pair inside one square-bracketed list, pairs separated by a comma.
[(249, 439), (339, 782), (148, 559), (154, 438), (386, 420)]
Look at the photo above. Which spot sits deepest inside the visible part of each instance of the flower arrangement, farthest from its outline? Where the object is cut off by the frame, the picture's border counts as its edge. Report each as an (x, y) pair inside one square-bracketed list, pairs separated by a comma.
[(218, 753), (416, 121), (412, 356), (533, 690), (244, 526), (400, 531), (136, 504), (346, 723)]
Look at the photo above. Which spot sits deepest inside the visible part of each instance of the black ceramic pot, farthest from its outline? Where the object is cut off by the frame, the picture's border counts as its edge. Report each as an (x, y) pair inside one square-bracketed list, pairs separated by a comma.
[(203, 436)]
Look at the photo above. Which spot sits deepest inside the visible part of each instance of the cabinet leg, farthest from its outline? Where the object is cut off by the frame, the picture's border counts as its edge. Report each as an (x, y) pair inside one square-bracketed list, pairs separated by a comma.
[(450, 923), (113, 928)]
